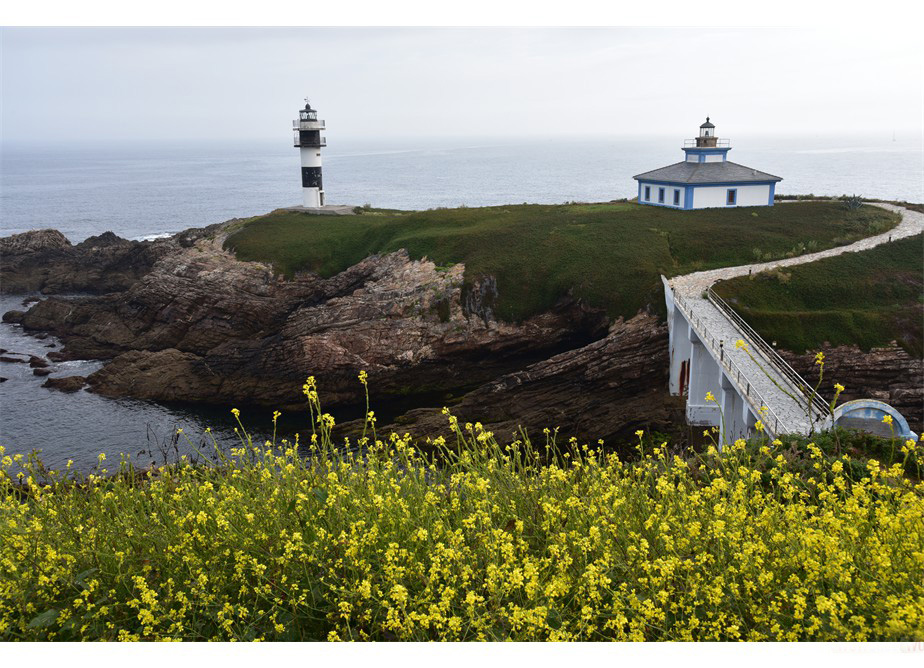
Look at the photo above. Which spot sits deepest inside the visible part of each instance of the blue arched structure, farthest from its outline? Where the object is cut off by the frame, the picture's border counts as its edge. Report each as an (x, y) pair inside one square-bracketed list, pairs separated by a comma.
[(867, 414)]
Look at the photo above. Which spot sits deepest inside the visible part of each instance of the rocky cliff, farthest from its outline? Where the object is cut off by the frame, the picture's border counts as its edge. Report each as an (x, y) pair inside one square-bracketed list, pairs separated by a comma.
[(183, 319)]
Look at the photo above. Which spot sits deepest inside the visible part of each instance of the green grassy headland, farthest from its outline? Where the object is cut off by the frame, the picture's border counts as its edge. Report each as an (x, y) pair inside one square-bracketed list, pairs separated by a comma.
[(609, 255), (868, 299)]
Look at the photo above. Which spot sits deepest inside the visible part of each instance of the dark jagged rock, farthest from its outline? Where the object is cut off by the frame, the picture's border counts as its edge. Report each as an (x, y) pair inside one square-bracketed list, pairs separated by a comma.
[(12, 360), (249, 336), (37, 362), (605, 389), (41, 371), (889, 374), (66, 384), (45, 261)]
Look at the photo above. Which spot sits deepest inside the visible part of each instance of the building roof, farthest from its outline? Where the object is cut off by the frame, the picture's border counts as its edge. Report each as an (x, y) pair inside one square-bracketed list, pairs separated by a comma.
[(707, 124), (707, 172)]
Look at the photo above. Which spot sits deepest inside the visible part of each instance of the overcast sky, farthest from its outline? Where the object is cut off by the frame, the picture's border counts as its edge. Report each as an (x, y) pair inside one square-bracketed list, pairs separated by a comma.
[(247, 83)]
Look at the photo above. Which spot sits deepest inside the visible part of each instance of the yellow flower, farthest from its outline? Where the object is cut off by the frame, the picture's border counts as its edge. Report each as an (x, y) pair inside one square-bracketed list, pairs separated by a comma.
[(838, 388), (740, 345), (887, 419), (709, 396), (235, 412), (639, 433), (759, 426), (363, 377), (819, 358)]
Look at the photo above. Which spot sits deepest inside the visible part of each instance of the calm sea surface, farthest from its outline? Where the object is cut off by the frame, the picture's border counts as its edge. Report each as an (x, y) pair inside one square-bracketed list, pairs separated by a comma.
[(140, 191)]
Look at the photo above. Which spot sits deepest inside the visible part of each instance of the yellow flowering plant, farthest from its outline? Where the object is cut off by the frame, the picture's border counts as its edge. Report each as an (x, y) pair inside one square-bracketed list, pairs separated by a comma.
[(468, 537)]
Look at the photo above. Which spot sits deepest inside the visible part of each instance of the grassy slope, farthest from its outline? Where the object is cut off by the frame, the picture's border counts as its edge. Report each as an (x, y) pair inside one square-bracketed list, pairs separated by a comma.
[(609, 254), (868, 298)]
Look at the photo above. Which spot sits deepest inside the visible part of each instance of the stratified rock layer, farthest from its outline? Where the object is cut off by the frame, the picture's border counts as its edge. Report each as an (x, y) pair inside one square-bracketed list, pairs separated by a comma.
[(888, 374), (182, 319)]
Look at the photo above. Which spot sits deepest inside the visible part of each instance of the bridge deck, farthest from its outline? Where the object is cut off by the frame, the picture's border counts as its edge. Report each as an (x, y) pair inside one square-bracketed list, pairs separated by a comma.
[(757, 378)]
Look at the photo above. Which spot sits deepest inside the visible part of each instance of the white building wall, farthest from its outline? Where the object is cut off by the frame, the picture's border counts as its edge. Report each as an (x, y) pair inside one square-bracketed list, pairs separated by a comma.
[(714, 157), (668, 194), (715, 196)]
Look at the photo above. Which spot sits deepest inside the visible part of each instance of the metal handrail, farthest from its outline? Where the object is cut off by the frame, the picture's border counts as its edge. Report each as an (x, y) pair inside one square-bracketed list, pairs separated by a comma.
[(719, 143), (816, 401), (309, 125), (762, 407)]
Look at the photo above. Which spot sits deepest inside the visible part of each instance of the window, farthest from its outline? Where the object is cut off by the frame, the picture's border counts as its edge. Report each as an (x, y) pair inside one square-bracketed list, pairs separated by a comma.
[(647, 193), (676, 197), (661, 195), (732, 197)]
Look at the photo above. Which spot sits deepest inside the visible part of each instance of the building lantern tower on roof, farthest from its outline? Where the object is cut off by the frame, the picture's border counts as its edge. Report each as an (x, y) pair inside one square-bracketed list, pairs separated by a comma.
[(706, 178), (309, 141)]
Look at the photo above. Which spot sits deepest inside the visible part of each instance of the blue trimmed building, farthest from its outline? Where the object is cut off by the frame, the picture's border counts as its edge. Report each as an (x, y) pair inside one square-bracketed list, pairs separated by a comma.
[(706, 179)]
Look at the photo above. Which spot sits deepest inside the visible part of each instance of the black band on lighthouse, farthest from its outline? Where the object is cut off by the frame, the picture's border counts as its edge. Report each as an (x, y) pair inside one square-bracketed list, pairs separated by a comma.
[(309, 138), (311, 177)]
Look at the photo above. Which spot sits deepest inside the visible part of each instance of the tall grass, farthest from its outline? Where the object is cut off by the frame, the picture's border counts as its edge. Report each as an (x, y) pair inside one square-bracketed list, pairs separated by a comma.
[(869, 299), (469, 539)]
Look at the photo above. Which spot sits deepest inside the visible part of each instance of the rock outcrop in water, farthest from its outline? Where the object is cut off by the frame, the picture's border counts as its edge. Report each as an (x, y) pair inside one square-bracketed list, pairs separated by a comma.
[(45, 261), (183, 319)]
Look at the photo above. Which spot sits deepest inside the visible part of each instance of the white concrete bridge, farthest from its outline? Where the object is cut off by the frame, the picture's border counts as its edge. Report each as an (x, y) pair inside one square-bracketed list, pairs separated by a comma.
[(752, 382)]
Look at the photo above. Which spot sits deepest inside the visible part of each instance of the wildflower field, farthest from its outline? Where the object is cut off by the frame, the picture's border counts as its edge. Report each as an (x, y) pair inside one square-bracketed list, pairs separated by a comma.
[(469, 539)]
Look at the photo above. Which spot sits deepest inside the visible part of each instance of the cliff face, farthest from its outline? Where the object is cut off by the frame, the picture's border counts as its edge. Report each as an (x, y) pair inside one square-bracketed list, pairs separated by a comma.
[(202, 326), (182, 319)]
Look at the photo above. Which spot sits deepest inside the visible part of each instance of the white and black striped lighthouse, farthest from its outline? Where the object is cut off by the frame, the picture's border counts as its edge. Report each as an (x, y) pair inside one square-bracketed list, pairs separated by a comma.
[(309, 141)]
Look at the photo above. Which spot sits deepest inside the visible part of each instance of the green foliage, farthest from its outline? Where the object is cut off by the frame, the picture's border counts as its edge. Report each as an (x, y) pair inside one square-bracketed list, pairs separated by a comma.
[(869, 298), (852, 202), (609, 255)]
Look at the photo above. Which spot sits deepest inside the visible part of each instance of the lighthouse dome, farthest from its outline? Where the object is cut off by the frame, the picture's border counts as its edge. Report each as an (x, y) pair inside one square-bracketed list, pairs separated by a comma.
[(707, 124)]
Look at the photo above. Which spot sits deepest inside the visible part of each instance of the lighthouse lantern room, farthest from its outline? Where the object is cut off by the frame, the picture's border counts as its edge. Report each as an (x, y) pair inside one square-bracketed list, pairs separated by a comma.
[(309, 141)]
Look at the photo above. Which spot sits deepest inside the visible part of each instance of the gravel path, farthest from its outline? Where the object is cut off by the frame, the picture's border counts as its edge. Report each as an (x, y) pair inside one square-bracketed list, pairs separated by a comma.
[(756, 377)]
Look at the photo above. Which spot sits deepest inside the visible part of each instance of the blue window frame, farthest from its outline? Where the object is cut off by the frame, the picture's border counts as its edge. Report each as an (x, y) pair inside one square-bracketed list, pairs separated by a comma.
[(647, 193), (661, 195), (731, 197), (676, 197)]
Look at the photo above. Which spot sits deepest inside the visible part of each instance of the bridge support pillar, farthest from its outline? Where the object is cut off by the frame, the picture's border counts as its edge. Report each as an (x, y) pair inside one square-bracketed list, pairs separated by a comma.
[(732, 405), (704, 378), (748, 418), (679, 340)]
